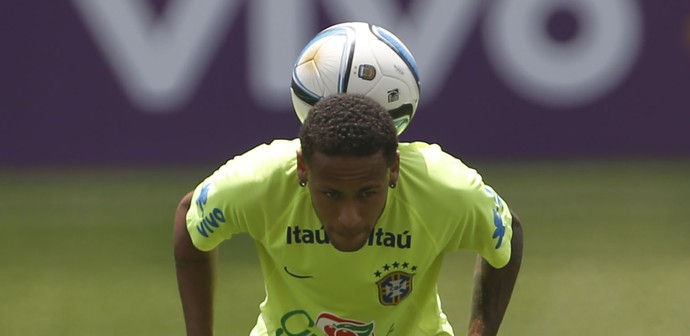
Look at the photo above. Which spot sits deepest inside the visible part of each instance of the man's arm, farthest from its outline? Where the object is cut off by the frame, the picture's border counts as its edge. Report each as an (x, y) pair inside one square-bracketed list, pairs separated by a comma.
[(195, 276), (493, 288)]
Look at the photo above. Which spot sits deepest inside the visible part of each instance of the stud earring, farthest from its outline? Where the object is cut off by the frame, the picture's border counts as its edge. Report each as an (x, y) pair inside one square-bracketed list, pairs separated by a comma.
[(302, 183), (392, 185)]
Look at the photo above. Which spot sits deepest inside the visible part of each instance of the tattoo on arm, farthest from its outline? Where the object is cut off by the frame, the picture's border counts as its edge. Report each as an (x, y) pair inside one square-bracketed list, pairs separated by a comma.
[(493, 288)]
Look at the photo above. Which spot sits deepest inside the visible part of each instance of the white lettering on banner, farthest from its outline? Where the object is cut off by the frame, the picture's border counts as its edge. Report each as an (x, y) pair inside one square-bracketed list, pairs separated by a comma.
[(160, 60), (563, 74), (279, 30), (427, 25)]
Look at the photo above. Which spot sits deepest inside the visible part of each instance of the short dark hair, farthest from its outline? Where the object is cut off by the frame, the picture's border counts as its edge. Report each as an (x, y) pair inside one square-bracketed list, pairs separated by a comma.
[(348, 124)]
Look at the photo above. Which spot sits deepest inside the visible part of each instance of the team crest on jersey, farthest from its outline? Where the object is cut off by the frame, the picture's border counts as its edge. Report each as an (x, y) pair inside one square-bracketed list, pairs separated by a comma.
[(394, 284), (394, 287)]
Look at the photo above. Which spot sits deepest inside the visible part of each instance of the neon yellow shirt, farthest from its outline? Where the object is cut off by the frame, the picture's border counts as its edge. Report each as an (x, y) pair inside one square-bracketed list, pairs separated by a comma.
[(386, 288)]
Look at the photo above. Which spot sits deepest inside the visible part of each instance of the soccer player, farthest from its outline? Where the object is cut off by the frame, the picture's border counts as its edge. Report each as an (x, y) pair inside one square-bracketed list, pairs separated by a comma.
[(351, 228)]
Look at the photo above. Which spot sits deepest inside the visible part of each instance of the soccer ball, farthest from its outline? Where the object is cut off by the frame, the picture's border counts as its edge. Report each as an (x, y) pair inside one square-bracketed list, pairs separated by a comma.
[(362, 58)]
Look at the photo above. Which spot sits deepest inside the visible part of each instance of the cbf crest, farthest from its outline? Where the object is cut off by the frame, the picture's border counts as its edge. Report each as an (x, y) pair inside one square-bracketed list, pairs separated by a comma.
[(395, 286)]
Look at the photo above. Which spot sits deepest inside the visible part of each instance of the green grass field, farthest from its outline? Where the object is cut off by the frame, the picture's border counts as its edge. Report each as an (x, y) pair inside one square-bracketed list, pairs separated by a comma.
[(88, 252)]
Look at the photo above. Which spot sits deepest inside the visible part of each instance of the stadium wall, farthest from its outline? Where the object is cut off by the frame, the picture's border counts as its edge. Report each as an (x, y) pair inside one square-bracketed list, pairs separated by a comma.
[(184, 82)]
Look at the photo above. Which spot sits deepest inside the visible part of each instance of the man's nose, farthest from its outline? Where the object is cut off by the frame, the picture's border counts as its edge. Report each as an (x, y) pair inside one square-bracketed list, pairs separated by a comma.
[(349, 216)]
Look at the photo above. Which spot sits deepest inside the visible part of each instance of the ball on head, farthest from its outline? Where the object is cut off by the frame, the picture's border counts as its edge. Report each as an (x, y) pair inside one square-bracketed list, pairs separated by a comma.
[(357, 57)]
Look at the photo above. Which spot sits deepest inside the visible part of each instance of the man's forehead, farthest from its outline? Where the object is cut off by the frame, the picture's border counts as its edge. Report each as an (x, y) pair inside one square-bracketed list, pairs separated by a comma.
[(321, 158)]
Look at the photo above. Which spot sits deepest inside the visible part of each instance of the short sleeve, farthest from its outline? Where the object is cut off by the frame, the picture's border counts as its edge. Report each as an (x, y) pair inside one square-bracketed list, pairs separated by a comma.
[(488, 227), (246, 194), (207, 222)]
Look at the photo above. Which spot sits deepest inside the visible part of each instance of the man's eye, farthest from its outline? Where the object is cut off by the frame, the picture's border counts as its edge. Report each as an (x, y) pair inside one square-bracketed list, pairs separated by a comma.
[(368, 193), (331, 194)]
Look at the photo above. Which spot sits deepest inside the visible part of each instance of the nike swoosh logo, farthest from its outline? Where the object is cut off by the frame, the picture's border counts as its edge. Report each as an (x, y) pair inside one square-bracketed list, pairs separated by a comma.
[(297, 275)]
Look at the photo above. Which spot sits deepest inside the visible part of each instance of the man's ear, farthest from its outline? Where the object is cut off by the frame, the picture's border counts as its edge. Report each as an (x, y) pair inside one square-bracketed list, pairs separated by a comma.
[(395, 170), (302, 171)]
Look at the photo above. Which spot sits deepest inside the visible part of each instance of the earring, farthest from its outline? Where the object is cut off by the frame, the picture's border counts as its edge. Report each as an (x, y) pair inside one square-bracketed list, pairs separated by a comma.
[(302, 183), (392, 185)]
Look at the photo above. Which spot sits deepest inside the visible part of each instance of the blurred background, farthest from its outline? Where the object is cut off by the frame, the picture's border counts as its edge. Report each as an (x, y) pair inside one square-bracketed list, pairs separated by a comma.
[(576, 111)]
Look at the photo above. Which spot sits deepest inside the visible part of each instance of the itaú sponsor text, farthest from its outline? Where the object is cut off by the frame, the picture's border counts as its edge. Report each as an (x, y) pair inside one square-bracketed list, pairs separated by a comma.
[(378, 237)]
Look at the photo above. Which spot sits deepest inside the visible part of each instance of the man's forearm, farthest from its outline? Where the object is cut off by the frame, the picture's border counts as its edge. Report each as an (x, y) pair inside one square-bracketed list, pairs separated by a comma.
[(493, 288), (196, 279), (195, 276)]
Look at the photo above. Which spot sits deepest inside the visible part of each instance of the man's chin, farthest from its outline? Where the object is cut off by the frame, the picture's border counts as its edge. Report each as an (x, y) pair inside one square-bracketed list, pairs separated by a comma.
[(349, 245)]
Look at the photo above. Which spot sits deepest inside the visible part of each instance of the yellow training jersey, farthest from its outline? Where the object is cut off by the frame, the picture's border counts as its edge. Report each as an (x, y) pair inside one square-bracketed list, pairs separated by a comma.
[(386, 288)]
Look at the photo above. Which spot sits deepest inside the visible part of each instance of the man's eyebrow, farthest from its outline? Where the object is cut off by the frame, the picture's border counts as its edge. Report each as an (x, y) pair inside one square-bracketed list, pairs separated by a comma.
[(370, 187)]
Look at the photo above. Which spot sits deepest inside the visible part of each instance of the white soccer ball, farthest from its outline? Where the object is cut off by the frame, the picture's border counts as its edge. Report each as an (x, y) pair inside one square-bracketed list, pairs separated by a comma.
[(357, 57)]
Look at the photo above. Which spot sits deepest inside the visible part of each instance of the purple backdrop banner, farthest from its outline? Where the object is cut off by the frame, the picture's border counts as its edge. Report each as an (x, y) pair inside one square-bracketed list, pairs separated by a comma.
[(131, 81)]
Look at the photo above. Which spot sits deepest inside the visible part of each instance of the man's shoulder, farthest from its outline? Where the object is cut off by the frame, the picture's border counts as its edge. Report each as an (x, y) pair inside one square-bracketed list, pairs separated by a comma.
[(277, 145), (428, 171), (264, 166), (424, 150), (429, 158), (267, 154)]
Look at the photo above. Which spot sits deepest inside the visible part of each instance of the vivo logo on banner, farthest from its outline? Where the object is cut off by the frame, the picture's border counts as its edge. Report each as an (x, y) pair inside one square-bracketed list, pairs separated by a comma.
[(160, 60)]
